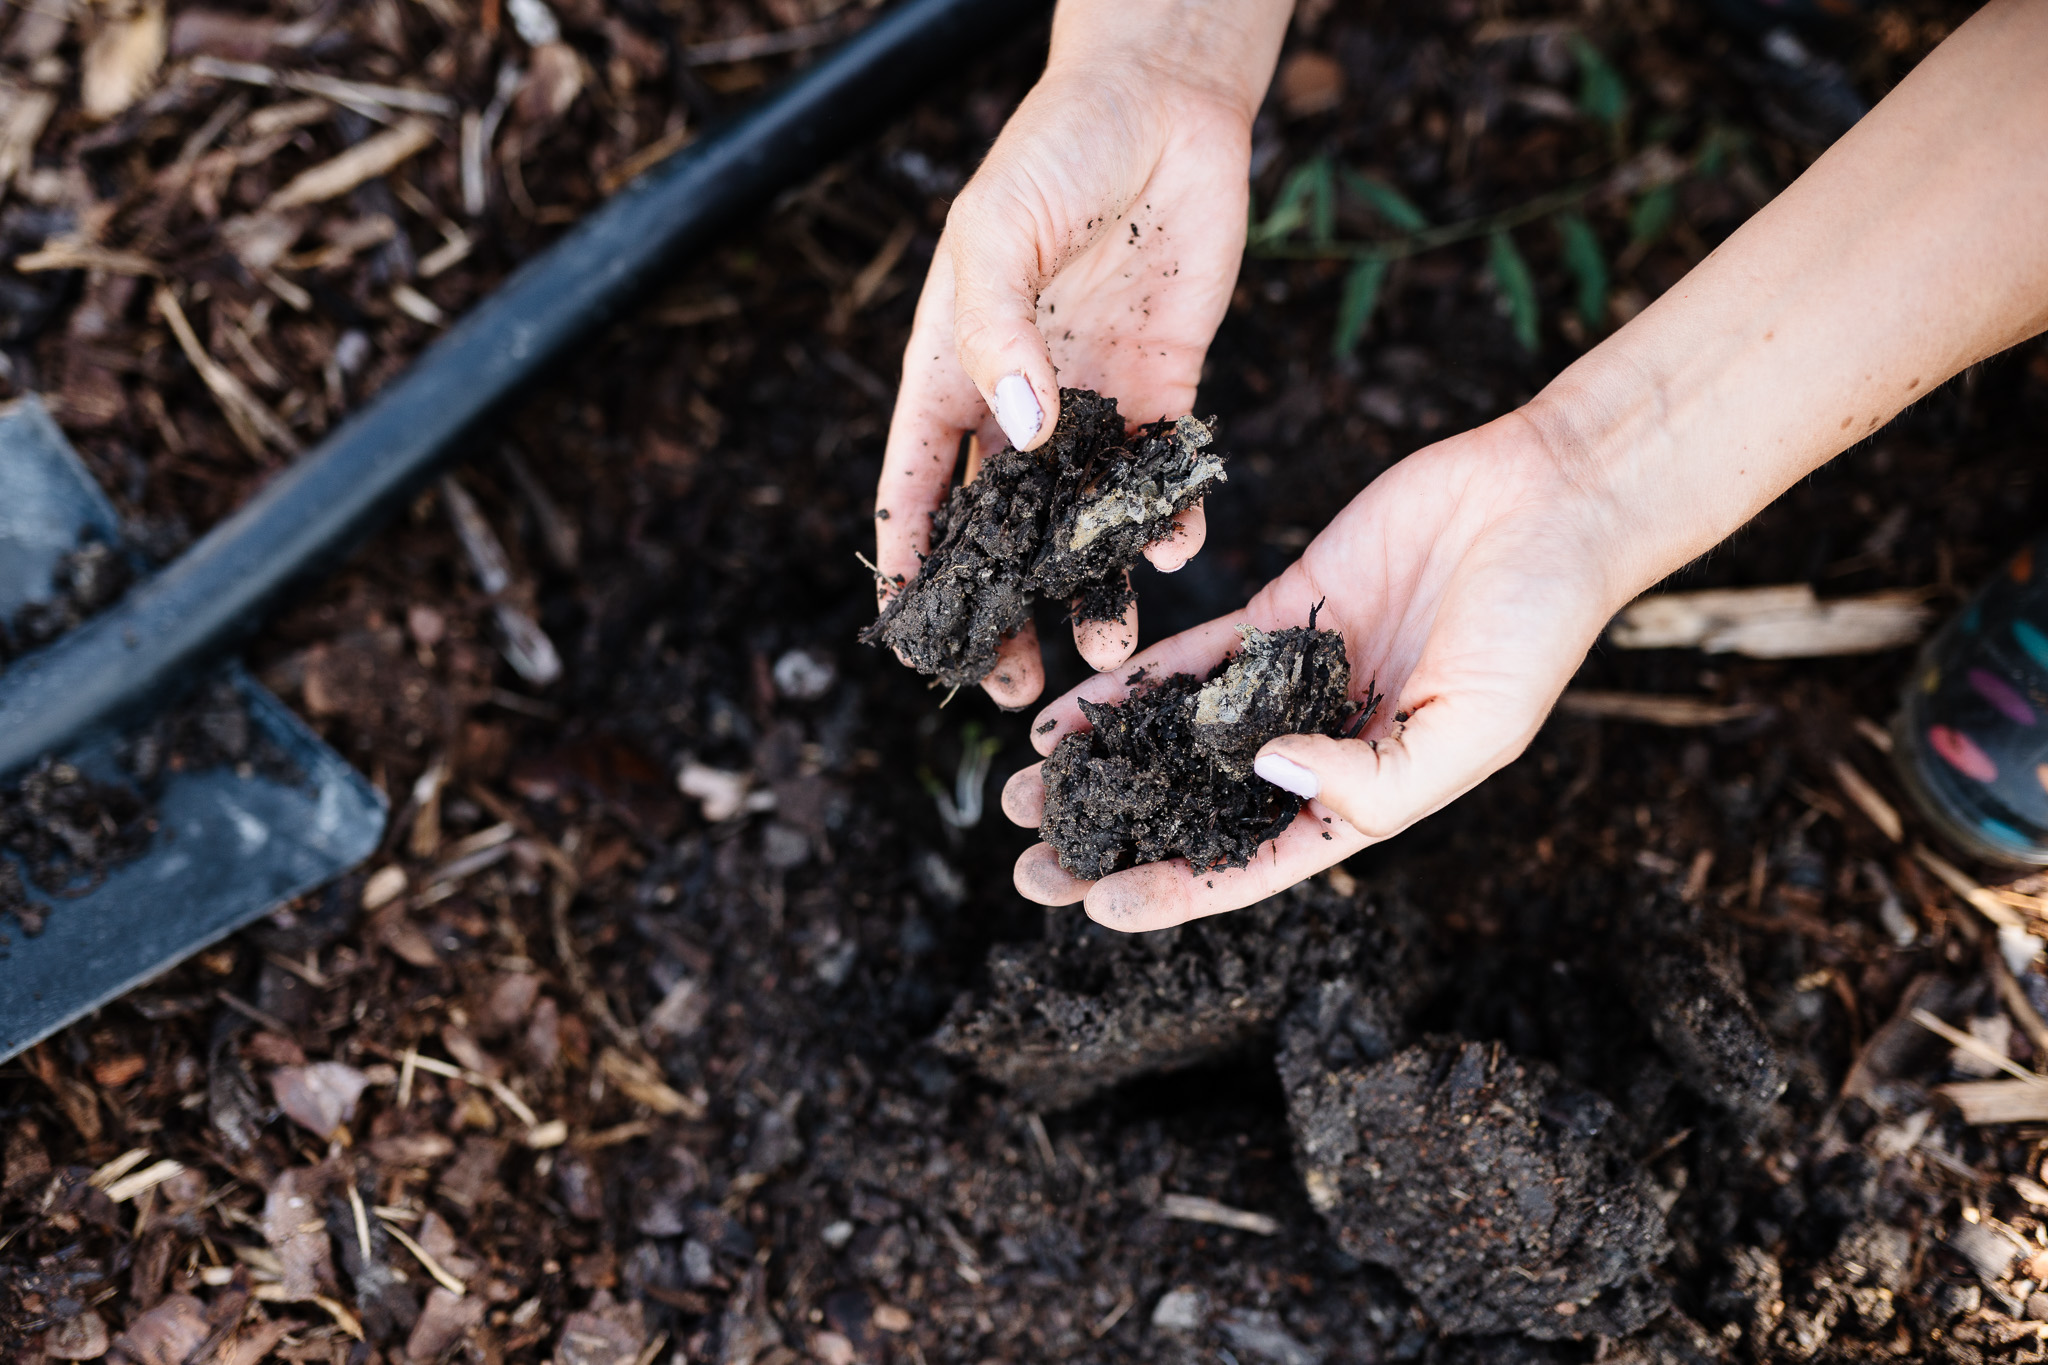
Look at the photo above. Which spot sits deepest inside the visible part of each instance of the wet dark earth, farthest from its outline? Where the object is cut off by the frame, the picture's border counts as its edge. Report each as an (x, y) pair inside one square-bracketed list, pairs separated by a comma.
[(688, 1011)]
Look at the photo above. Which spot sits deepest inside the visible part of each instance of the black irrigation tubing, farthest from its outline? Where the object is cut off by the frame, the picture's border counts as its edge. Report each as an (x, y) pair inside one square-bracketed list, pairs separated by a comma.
[(131, 658)]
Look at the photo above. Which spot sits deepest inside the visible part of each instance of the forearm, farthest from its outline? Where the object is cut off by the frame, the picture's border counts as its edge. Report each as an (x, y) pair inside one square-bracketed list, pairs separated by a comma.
[(1915, 247), (1226, 48)]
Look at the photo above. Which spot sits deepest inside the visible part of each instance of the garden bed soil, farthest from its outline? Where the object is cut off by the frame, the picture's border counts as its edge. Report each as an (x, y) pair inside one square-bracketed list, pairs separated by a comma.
[(778, 1067)]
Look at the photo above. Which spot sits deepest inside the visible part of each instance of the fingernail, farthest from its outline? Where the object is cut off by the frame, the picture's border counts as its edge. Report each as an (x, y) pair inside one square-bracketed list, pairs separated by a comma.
[(1017, 410), (1286, 774)]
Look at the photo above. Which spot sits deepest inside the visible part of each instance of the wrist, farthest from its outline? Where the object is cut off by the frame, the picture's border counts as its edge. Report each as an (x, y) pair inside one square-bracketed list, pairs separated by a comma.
[(1217, 52)]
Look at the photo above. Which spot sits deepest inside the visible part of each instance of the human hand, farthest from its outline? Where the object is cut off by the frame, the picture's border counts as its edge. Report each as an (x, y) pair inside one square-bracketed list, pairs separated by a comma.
[(1097, 247), (1468, 581)]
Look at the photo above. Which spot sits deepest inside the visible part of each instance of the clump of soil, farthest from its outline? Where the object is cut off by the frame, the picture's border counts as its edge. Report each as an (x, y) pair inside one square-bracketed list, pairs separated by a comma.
[(85, 582), (1064, 521), (1168, 773), (1087, 1008), (68, 830), (1487, 1183)]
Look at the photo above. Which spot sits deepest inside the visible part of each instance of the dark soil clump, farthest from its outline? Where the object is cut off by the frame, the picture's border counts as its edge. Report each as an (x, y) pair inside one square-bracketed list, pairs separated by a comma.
[(1168, 773), (68, 830), (1087, 1008), (1063, 522), (85, 582), (1486, 1182)]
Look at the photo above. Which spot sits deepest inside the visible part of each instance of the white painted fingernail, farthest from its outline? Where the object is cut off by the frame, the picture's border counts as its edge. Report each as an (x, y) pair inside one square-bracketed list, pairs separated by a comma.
[(1286, 774), (1017, 410)]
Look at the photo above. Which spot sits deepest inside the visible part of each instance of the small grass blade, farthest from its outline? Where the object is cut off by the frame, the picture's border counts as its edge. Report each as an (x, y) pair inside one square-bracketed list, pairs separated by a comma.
[(1652, 214), (1354, 310), (1583, 257), (1603, 95), (1386, 201), (1304, 197), (1517, 286)]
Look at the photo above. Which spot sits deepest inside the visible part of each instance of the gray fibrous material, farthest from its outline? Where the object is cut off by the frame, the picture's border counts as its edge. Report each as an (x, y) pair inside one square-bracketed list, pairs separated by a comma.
[(1063, 522), (1168, 773)]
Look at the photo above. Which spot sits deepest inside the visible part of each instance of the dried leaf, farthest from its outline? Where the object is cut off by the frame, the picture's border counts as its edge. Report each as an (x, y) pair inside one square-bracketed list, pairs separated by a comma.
[(1354, 309), (121, 61), (445, 1320), (23, 115), (1517, 287), (1309, 82), (319, 1097), (167, 1334), (293, 1226)]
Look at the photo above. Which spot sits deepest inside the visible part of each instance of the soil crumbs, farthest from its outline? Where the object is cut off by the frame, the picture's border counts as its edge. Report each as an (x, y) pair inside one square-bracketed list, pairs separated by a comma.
[(1061, 523), (1167, 773)]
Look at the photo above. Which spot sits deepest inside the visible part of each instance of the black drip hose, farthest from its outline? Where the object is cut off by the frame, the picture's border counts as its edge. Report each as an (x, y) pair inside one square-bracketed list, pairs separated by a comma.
[(133, 657)]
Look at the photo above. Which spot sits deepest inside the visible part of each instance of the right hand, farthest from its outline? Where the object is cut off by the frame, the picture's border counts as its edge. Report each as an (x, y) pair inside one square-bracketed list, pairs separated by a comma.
[(1096, 247)]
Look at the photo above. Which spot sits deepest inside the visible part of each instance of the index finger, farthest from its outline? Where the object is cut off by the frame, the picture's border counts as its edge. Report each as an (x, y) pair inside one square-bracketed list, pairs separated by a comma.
[(935, 406)]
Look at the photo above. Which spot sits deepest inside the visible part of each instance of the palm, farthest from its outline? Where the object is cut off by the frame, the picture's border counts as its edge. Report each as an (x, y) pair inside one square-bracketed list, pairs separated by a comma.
[(1133, 312), (1443, 578)]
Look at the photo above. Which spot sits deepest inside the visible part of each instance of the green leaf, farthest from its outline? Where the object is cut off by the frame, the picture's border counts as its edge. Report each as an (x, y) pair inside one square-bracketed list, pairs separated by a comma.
[(1603, 94), (1583, 257), (1386, 201), (1511, 276), (1306, 192), (1361, 296), (1652, 214), (1322, 222)]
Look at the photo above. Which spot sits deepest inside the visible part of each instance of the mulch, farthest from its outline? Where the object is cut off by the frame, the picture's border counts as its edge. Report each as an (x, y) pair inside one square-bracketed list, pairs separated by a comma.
[(593, 1067)]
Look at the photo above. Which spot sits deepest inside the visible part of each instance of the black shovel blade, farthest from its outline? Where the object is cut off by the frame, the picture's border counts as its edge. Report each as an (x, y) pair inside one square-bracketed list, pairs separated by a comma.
[(231, 843)]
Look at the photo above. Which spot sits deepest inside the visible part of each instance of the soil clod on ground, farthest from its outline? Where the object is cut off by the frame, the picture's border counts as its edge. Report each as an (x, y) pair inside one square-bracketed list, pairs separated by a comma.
[(1487, 1183), (1062, 522), (1168, 773)]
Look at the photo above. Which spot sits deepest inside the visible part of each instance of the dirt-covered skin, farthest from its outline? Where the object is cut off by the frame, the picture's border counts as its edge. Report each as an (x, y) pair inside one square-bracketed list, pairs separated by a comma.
[(1483, 1180), (1167, 774), (1064, 522)]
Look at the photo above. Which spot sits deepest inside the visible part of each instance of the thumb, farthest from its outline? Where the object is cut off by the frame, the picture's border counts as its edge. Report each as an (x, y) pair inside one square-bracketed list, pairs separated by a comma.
[(997, 277), (1382, 786)]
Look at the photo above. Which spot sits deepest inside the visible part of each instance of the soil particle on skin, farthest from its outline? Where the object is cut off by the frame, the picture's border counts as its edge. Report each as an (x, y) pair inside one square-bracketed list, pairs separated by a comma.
[(1086, 1009), (1062, 522), (1167, 773), (1484, 1181)]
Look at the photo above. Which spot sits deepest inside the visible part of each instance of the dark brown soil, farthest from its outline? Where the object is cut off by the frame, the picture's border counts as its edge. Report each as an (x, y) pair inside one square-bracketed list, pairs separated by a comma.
[(1495, 1190), (1168, 772), (1064, 523), (729, 1014)]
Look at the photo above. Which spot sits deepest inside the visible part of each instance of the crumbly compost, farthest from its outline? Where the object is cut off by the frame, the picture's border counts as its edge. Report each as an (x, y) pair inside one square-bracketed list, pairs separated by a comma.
[(1168, 773), (1064, 522), (1087, 1008), (1489, 1185)]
